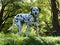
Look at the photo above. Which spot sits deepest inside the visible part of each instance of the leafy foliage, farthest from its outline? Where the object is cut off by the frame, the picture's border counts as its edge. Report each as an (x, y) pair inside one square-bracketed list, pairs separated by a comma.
[(14, 7)]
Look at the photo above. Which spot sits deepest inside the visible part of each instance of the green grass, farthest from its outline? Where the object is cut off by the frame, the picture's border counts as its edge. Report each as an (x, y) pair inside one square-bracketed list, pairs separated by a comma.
[(14, 39)]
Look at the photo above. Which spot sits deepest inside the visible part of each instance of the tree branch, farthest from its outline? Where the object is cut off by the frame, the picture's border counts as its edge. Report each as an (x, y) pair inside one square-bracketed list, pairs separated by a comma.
[(8, 17)]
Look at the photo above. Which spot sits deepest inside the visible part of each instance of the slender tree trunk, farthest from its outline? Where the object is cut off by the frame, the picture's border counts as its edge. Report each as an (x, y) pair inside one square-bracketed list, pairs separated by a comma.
[(1, 15), (55, 21)]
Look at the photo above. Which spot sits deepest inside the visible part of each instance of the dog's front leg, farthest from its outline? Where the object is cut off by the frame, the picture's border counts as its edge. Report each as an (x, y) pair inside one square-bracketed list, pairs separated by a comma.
[(37, 28), (27, 30)]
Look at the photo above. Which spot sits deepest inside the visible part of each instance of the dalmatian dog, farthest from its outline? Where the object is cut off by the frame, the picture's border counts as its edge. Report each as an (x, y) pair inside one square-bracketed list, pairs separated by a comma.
[(30, 20)]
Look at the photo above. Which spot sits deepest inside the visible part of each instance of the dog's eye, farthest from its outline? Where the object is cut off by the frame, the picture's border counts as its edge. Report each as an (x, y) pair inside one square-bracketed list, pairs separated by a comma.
[(37, 9), (33, 10)]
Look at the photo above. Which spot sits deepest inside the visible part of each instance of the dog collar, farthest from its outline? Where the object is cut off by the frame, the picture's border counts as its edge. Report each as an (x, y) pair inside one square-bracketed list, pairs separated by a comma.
[(35, 18)]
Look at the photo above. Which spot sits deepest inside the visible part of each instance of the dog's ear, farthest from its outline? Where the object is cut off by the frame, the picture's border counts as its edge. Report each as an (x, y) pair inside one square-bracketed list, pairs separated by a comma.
[(39, 9), (31, 9)]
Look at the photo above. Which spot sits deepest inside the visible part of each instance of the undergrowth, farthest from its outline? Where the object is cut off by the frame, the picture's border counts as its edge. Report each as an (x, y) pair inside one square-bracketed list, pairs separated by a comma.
[(14, 39)]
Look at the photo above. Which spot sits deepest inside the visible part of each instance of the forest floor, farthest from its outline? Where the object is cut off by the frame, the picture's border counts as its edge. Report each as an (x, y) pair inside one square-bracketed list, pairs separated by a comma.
[(13, 39)]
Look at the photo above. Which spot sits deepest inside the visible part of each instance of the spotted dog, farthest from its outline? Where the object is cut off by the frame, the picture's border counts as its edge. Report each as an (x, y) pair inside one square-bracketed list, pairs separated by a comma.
[(29, 19)]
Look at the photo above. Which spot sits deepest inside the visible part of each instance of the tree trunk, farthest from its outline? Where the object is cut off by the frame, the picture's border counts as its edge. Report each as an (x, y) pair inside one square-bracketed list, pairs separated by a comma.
[(1, 15), (55, 21)]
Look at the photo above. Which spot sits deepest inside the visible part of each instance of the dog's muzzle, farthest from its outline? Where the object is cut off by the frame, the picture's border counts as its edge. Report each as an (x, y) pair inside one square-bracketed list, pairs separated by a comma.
[(35, 13)]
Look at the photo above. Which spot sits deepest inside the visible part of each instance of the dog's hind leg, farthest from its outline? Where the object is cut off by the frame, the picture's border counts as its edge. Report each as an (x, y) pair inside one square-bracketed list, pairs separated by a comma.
[(19, 27)]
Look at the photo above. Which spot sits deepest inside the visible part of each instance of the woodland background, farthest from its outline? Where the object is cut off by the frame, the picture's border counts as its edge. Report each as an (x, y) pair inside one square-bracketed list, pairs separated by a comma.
[(49, 22)]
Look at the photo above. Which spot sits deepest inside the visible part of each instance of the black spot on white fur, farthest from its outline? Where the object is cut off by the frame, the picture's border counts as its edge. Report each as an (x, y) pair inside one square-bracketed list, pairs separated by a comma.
[(17, 15)]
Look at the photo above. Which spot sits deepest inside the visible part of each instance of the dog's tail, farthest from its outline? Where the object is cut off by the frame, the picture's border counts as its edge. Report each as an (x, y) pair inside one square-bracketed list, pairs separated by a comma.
[(12, 25)]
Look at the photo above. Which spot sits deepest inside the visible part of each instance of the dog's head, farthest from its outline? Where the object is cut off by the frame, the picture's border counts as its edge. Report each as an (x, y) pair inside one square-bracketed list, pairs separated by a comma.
[(35, 10)]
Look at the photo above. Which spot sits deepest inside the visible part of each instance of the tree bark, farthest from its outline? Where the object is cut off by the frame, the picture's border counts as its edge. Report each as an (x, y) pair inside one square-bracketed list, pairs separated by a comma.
[(1, 14), (55, 21)]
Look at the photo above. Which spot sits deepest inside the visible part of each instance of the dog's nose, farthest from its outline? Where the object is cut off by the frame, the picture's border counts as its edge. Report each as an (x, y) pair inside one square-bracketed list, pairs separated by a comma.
[(35, 13)]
